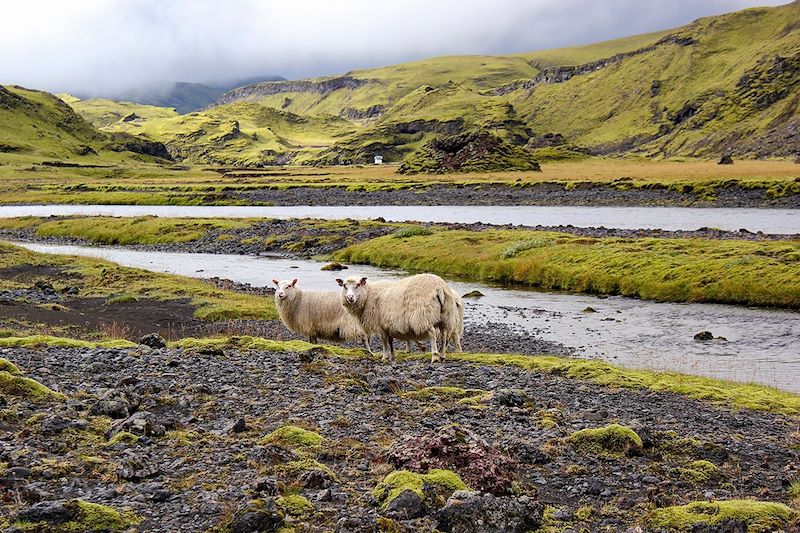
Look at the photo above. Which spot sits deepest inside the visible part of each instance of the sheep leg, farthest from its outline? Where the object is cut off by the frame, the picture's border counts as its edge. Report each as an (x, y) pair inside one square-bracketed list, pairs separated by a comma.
[(409, 348), (433, 333), (367, 347), (312, 339), (444, 335), (457, 342), (386, 342), (391, 348)]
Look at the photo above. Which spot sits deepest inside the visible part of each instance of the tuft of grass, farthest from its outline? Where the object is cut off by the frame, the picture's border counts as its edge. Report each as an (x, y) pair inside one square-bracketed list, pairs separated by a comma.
[(699, 472), (759, 516), (295, 468), (8, 366), (292, 437), (411, 231), (124, 437), (122, 299), (614, 438)]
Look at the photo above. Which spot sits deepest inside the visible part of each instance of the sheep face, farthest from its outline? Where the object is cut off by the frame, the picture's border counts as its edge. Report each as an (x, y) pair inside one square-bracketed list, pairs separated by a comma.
[(352, 289), (285, 290)]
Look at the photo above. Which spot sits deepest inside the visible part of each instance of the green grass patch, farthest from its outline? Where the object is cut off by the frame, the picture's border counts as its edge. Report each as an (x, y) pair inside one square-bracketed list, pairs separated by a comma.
[(37, 341), (400, 480), (759, 516), (701, 471), (85, 517), (12, 384), (675, 270), (411, 231), (294, 504)]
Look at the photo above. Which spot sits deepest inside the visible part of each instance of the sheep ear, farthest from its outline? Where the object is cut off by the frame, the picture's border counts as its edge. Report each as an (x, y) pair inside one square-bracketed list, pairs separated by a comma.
[(340, 282), (276, 282), (363, 281), (294, 282)]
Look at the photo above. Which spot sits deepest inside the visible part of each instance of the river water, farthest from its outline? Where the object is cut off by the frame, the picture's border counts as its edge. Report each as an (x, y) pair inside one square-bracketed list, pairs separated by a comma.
[(762, 345), (780, 221)]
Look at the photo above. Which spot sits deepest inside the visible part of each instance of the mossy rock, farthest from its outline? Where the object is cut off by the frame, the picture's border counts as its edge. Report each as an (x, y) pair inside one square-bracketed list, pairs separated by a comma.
[(438, 481), (30, 389), (614, 438), (293, 437), (8, 366), (79, 516), (125, 437), (701, 471), (294, 504), (297, 468), (758, 516)]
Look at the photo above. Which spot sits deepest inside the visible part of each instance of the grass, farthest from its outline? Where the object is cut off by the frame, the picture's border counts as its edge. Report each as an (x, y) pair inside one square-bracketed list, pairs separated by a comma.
[(12, 384), (293, 437), (96, 277), (676, 270)]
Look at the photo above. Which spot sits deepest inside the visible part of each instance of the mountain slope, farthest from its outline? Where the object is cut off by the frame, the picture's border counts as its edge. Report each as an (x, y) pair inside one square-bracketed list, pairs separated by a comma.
[(38, 125), (728, 83)]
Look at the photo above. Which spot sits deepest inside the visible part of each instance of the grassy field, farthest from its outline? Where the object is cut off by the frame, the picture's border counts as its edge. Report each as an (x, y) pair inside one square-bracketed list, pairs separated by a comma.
[(146, 184), (96, 277), (674, 270)]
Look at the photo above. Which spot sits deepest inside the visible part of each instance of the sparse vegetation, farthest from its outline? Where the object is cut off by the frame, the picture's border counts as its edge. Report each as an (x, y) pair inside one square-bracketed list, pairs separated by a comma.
[(759, 516)]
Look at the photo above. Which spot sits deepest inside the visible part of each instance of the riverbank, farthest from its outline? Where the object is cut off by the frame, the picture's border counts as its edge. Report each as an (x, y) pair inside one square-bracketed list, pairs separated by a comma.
[(191, 434), (705, 266)]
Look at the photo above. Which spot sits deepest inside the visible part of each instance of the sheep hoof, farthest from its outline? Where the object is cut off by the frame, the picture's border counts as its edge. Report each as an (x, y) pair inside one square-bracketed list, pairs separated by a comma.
[(435, 357)]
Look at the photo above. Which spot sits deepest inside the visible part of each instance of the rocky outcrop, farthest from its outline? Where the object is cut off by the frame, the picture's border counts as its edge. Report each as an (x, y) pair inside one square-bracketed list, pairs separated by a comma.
[(560, 74), (123, 142), (270, 88)]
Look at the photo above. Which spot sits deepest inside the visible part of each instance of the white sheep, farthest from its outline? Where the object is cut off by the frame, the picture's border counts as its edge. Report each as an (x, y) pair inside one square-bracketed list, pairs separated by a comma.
[(456, 329), (317, 314), (416, 308)]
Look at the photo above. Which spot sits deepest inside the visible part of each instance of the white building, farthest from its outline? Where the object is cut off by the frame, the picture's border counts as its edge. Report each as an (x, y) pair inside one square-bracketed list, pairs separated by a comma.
[(378, 159)]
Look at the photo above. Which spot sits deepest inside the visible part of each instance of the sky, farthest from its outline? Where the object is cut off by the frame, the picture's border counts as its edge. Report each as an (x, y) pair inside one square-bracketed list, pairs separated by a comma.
[(106, 47)]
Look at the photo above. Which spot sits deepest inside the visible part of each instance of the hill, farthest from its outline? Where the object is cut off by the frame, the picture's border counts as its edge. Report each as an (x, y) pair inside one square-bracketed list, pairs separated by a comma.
[(727, 83), (38, 125)]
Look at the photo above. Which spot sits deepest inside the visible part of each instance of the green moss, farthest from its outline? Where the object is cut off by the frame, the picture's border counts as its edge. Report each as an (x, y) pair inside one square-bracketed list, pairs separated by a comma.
[(32, 390), (8, 366), (400, 480), (34, 341), (244, 343), (614, 438), (295, 468), (294, 504), (444, 393), (85, 517), (292, 437), (698, 472), (124, 437), (759, 516)]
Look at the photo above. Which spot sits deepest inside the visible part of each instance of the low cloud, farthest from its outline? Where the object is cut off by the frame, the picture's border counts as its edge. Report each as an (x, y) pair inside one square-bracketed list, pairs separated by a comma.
[(109, 46)]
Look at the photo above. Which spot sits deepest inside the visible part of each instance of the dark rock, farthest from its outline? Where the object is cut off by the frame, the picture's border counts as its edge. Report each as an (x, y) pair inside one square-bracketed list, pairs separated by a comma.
[(473, 294), (129, 117), (725, 160), (334, 266), (312, 353), (261, 517), (134, 467), (113, 403), (510, 397), (405, 506), (237, 426), (315, 479), (589, 310), (387, 385), (703, 336), (54, 424), (153, 340), (453, 447), (142, 423), (271, 455), (71, 290), (594, 487), (467, 512), (357, 524), (18, 472), (726, 526), (54, 512), (267, 485)]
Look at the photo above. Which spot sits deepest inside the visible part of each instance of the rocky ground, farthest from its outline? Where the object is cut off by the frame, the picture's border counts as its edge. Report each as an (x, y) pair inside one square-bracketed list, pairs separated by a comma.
[(175, 441), (535, 194), (299, 238)]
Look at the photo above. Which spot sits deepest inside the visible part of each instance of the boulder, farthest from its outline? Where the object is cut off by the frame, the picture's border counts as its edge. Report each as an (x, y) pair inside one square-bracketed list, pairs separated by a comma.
[(258, 516), (703, 336), (113, 403), (143, 423), (153, 340), (467, 512), (406, 506), (726, 160)]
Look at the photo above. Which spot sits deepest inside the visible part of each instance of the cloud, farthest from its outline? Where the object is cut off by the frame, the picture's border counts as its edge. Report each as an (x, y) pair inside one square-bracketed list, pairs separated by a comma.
[(108, 46)]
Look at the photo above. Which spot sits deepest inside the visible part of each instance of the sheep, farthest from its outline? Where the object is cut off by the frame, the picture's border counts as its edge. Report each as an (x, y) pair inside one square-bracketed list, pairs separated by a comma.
[(416, 308), (456, 329), (317, 314)]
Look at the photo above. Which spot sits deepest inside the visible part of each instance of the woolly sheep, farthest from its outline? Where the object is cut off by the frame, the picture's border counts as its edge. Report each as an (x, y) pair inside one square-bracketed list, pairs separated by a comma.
[(416, 308), (456, 329), (316, 314)]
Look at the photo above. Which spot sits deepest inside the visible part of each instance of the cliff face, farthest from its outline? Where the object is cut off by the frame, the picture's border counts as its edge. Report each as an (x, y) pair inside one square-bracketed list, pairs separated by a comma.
[(272, 88)]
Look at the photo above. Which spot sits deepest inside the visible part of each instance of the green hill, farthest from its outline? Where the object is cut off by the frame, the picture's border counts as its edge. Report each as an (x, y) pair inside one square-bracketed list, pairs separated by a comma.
[(728, 83), (36, 126)]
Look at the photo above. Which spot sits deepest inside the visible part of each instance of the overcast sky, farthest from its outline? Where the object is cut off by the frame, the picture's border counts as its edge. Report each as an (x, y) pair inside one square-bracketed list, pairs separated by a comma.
[(106, 46)]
